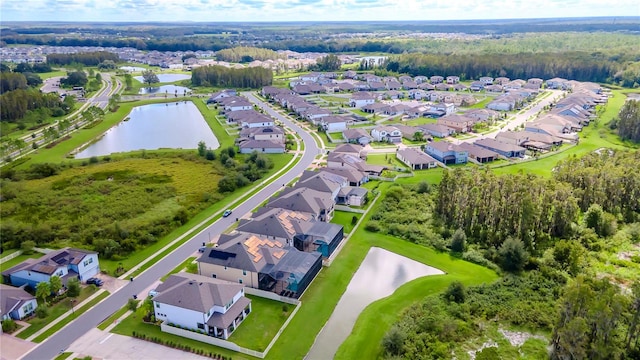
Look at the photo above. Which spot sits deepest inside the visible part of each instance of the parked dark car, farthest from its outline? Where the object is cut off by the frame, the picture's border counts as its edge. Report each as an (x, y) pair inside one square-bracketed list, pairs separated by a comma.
[(94, 281)]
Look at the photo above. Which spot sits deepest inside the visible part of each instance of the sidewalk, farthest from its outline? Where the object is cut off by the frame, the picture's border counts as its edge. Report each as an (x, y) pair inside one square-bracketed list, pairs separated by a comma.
[(64, 316)]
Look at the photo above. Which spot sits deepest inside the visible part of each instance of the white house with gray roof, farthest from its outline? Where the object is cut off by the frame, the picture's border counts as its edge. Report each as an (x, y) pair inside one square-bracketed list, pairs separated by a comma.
[(204, 304)]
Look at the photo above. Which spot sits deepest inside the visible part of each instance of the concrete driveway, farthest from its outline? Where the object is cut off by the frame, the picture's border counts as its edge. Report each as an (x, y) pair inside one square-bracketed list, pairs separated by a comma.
[(12, 348), (111, 284), (103, 345)]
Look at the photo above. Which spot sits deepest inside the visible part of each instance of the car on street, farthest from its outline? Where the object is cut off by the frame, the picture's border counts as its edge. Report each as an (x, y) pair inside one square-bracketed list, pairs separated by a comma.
[(226, 213), (94, 281)]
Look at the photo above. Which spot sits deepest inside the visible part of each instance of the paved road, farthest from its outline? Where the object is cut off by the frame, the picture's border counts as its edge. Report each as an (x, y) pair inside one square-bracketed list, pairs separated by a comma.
[(61, 340)]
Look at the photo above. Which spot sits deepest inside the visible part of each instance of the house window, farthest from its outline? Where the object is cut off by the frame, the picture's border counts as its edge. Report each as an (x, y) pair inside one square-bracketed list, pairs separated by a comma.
[(225, 268), (213, 276), (201, 326), (158, 305), (244, 272), (90, 260), (240, 281)]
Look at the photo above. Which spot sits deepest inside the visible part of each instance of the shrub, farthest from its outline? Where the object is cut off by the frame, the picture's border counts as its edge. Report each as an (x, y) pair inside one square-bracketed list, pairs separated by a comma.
[(42, 311), (9, 326)]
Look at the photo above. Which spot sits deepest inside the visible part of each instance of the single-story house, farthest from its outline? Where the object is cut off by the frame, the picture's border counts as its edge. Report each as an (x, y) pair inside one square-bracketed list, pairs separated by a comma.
[(360, 99), (478, 153), (504, 149), (16, 303), (64, 263), (262, 146), (487, 80), (258, 121), (436, 79), (357, 136), (354, 177), (451, 80), (459, 123), (416, 159), (437, 130), (205, 304), (476, 86), (333, 123), (349, 161), (446, 152), (273, 133)]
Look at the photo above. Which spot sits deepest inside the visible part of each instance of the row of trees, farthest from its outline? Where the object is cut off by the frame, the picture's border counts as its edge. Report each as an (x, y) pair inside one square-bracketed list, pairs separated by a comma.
[(579, 66), (330, 62), (220, 76), (16, 104), (87, 58), (247, 54)]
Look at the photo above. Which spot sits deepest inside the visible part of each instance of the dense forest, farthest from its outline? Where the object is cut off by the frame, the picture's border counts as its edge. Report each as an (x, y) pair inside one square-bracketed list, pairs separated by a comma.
[(116, 209), (628, 121), (579, 66), (244, 54), (221, 76), (87, 58), (20, 98)]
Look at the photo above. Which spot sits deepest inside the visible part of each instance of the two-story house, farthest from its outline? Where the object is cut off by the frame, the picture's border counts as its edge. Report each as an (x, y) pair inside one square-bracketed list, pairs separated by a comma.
[(199, 303), (389, 134), (64, 263), (446, 152)]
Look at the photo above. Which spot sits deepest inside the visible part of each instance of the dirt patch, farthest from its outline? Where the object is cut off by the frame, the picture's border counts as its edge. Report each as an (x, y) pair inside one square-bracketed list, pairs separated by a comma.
[(517, 338), (490, 343)]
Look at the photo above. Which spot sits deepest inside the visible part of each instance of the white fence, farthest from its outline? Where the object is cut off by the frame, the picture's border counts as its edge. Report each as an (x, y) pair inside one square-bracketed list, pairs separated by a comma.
[(10, 256)]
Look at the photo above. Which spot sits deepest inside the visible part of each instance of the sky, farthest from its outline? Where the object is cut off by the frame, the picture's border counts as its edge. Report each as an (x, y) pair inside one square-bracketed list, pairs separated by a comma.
[(306, 10)]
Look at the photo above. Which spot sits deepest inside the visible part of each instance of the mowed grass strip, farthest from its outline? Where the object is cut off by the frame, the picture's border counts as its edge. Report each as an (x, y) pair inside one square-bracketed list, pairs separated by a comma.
[(77, 312), (115, 316)]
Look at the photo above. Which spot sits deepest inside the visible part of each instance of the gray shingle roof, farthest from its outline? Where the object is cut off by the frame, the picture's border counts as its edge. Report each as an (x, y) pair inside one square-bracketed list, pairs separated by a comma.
[(196, 292)]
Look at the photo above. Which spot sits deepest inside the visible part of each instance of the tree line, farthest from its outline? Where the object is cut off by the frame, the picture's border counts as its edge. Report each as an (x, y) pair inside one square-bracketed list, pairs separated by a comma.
[(579, 66), (247, 54), (87, 58), (251, 77)]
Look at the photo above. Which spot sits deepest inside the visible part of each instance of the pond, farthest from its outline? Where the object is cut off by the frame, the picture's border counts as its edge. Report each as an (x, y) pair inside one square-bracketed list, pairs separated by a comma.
[(167, 78), (170, 90), (379, 275), (176, 125)]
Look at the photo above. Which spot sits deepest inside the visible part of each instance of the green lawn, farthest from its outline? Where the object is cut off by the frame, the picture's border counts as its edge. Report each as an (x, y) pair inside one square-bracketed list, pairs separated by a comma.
[(7, 253), (389, 160), (77, 312), (420, 121), (261, 326), (337, 99), (115, 316), (55, 311), (179, 268), (335, 136), (51, 74), (344, 218)]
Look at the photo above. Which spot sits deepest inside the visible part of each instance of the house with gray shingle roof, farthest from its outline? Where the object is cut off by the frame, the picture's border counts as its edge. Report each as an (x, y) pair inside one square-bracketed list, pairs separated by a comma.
[(204, 304), (357, 136), (65, 263), (262, 263), (307, 200), (15, 303), (416, 159)]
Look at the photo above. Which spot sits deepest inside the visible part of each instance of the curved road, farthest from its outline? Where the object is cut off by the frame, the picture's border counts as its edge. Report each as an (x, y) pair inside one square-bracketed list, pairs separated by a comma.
[(50, 348)]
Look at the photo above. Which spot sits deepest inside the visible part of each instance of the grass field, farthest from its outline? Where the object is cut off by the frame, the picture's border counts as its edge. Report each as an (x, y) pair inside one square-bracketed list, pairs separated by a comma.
[(344, 218), (261, 326), (389, 160)]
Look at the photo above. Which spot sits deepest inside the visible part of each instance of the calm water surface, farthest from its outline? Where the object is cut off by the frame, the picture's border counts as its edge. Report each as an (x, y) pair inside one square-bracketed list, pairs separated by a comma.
[(170, 90), (176, 125), (379, 275), (165, 78)]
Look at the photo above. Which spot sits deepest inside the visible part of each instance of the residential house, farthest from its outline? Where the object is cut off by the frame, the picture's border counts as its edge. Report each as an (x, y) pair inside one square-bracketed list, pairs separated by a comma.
[(416, 159), (426, 86), (351, 149), (482, 114), (294, 228), (459, 123), (501, 80), (357, 136), (238, 116), (409, 132), (262, 146), (65, 263), (451, 80), (437, 130), (212, 306), (448, 108), (477, 86), (436, 79), (334, 123), (352, 196), (421, 79), (360, 99), (486, 80), (322, 181), (417, 94), (354, 177), (216, 96), (393, 85), (494, 88), (558, 131), (504, 103), (479, 154), (234, 103), (273, 133), (514, 85), (535, 82), (558, 83), (410, 84), (459, 87), (315, 114), (318, 203), (504, 149), (16, 303), (264, 264), (389, 134), (349, 161), (257, 121), (393, 95), (446, 152), (443, 87), (513, 137), (374, 108), (404, 78)]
